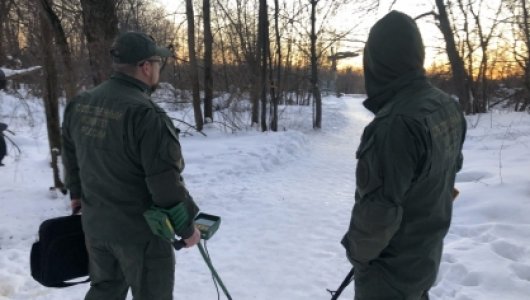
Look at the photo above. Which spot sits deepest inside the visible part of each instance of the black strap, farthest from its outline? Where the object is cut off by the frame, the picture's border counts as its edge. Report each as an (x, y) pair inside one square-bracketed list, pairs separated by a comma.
[(178, 244), (349, 278)]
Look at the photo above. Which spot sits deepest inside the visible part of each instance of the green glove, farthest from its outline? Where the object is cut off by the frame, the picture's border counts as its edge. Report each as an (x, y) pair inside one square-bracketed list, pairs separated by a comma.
[(165, 222)]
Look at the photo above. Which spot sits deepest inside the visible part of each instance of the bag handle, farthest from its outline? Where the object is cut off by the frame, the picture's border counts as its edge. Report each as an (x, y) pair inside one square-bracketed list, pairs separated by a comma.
[(67, 284)]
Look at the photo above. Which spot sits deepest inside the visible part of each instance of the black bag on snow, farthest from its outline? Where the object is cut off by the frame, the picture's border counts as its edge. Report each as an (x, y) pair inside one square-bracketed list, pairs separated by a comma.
[(60, 253)]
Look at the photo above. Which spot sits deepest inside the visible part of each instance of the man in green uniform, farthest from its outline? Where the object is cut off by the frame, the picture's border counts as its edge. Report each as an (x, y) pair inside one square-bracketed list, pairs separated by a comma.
[(3, 80), (3, 127), (122, 156), (407, 162)]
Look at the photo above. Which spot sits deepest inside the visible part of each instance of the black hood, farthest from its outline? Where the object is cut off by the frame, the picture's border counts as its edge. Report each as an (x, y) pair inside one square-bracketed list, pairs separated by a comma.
[(393, 55)]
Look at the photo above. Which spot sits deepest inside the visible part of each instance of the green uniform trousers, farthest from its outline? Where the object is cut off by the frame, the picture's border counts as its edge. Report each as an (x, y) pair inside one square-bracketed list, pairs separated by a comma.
[(424, 296), (147, 268), (371, 285)]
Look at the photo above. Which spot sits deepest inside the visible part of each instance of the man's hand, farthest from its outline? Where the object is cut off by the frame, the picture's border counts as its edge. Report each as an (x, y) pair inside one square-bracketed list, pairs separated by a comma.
[(75, 204), (455, 193), (193, 239)]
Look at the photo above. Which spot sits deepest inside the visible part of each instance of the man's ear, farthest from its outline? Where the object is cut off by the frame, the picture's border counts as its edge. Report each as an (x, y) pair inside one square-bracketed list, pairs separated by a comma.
[(145, 69)]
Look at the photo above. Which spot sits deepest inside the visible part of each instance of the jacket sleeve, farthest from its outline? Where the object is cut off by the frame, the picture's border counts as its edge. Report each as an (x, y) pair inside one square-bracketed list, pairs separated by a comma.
[(387, 163), (72, 179), (162, 161)]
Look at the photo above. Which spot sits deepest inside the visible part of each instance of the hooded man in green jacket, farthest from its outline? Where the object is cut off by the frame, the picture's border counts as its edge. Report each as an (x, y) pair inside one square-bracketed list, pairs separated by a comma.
[(407, 162), (122, 156)]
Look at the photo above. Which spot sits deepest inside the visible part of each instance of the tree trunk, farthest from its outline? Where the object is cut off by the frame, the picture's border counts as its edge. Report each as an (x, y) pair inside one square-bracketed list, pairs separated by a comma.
[(254, 96), (276, 87), (100, 25), (317, 122), (51, 99), (208, 62), (4, 10), (253, 61), (525, 27), (460, 76), (60, 37), (194, 74), (263, 40)]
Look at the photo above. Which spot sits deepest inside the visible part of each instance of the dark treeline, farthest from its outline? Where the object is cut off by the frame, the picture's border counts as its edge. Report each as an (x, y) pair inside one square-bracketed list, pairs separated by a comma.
[(79, 33), (224, 52)]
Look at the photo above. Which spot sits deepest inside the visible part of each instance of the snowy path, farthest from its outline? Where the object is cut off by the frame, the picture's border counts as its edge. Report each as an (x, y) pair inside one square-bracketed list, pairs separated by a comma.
[(281, 227)]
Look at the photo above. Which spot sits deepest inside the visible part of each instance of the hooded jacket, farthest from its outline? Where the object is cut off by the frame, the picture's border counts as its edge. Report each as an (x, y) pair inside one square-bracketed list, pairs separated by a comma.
[(407, 162)]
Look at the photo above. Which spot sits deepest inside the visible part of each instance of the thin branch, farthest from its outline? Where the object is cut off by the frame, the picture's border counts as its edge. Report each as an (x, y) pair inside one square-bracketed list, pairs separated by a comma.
[(189, 125), (14, 144), (430, 13)]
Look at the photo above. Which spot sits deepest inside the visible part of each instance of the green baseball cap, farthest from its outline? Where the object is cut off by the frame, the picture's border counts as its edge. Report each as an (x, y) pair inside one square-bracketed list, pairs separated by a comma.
[(134, 47)]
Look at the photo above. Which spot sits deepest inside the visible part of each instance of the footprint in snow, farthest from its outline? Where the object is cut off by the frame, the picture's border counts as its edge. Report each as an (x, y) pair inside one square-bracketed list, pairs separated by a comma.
[(521, 271), (449, 258), (456, 273), (472, 279), (509, 250), (464, 297), (481, 233)]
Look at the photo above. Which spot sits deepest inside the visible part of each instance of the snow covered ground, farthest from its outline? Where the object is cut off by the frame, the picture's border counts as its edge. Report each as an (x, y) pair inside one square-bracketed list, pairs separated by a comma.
[(285, 200)]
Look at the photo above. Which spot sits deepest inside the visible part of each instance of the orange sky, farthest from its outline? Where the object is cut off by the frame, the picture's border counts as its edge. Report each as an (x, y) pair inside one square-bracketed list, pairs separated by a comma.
[(344, 20)]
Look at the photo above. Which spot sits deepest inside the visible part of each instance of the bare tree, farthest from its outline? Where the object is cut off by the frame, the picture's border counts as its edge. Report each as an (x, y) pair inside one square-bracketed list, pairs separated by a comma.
[(60, 37), (263, 44), (208, 62), (484, 37), (51, 97), (5, 7), (244, 47), (194, 73), (100, 25), (275, 86), (12, 14), (521, 50), (460, 76), (317, 121)]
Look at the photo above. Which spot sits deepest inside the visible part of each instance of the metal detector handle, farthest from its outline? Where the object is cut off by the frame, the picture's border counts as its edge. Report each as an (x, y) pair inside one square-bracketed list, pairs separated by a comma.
[(178, 244), (335, 294), (216, 277)]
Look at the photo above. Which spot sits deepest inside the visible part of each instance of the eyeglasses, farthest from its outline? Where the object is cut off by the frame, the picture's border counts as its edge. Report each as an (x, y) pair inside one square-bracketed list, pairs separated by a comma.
[(152, 60)]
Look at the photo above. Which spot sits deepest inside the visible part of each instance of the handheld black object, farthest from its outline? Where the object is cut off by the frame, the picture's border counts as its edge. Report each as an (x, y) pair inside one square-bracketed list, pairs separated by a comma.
[(60, 254), (178, 244), (349, 278)]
